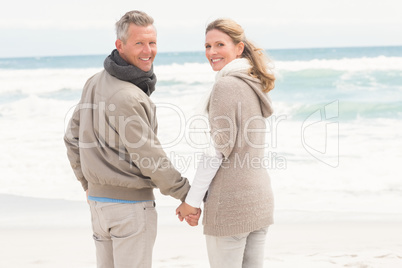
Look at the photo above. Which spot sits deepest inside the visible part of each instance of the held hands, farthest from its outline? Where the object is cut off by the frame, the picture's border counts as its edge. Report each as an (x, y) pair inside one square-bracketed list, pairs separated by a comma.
[(189, 213), (192, 219)]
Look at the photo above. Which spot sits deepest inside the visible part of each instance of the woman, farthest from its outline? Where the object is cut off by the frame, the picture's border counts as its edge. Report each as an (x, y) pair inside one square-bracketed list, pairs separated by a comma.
[(239, 202)]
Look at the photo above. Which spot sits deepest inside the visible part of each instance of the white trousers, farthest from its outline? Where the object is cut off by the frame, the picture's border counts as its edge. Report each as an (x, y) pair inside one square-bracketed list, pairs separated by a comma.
[(240, 251), (124, 234)]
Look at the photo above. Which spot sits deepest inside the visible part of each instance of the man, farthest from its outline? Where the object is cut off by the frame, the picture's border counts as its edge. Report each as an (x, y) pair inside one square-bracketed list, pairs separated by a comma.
[(114, 151)]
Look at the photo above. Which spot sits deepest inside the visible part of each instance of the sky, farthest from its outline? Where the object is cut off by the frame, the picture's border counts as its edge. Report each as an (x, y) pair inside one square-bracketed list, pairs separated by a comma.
[(86, 27)]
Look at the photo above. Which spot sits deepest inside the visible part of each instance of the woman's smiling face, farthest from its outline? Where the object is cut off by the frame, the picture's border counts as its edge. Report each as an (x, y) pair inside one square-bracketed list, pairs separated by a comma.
[(220, 49)]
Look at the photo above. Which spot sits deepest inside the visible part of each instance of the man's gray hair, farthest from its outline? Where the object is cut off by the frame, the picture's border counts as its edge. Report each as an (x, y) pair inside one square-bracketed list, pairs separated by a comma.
[(136, 17)]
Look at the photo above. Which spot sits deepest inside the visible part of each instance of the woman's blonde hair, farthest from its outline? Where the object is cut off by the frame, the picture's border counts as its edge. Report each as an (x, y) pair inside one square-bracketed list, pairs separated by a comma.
[(256, 56)]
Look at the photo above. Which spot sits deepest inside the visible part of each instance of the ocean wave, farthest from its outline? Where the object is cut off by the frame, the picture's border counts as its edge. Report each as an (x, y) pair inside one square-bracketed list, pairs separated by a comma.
[(39, 81), (52, 82), (346, 110), (345, 64), (188, 73), (365, 79)]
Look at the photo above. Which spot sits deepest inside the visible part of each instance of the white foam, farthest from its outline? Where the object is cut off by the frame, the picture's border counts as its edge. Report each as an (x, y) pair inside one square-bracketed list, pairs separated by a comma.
[(346, 64), (188, 73), (39, 81)]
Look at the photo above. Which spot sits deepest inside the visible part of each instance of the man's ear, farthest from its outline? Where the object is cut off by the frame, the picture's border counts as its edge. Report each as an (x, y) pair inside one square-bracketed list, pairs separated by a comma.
[(118, 44)]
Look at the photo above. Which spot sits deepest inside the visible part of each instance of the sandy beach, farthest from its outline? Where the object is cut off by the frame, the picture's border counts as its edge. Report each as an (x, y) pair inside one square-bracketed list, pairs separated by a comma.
[(56, 233)]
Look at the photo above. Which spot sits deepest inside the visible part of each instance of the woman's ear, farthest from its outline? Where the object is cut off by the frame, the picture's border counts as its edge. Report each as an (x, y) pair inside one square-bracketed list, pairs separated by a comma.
[(240, 48)]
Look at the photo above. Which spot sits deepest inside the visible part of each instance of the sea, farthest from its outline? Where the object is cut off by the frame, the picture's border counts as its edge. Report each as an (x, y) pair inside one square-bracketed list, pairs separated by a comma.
[(333, 147)]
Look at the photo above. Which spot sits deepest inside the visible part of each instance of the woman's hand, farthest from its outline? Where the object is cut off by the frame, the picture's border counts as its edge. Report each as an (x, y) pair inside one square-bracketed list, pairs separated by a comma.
[(192, 220)]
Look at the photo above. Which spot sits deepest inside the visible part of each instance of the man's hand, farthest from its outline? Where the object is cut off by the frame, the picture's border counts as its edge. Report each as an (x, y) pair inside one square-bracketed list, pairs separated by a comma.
[(184, 210), (87, 196)]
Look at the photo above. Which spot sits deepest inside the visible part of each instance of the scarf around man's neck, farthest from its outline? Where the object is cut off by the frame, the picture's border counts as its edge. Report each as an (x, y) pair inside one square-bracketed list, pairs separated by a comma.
[(119, 68)]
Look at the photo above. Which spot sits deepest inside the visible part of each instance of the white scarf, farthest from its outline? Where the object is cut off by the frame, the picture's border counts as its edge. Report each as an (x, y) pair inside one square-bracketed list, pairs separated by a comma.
[(237, 65)]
